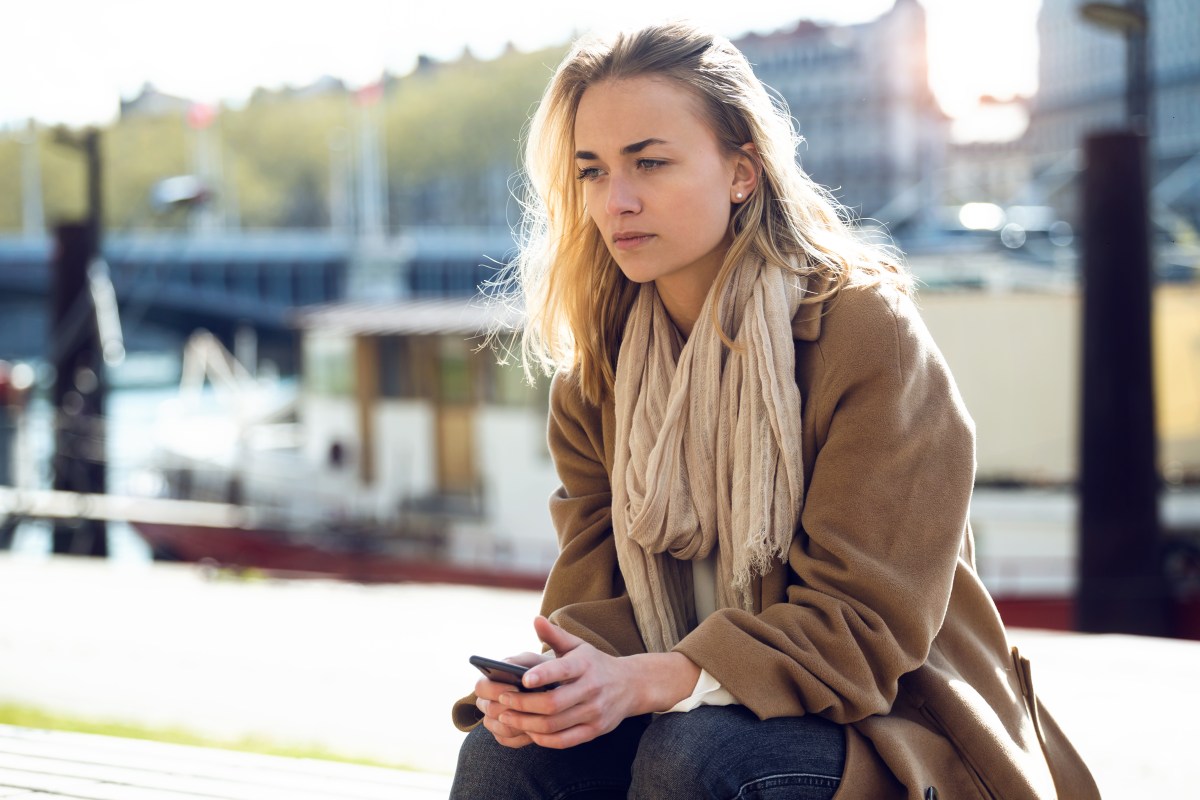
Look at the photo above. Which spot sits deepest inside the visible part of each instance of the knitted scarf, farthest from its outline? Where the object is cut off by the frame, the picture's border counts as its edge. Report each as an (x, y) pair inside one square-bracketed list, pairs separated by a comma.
[(708, 448)]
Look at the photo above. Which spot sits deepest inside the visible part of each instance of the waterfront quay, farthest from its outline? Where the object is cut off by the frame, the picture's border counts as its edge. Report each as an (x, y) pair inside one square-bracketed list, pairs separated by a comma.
[(370, 672)]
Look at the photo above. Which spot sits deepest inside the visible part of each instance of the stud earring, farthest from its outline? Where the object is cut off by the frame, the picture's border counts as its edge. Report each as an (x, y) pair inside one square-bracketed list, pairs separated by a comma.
[(738, 195)]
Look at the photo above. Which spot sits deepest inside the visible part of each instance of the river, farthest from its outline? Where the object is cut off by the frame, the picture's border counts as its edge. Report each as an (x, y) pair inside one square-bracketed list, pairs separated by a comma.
[(139, 389)]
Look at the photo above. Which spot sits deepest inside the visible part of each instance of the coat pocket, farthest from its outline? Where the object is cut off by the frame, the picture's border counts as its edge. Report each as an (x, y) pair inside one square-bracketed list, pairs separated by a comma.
[(991, 729), (972, 769)]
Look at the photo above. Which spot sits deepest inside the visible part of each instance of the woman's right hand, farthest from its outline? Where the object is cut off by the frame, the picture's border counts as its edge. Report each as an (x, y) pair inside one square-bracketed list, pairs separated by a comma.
[(487, 693)]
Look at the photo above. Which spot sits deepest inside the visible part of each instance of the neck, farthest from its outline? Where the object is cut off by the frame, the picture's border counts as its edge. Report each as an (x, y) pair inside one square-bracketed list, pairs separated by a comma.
[(682, 307), (683, 293)]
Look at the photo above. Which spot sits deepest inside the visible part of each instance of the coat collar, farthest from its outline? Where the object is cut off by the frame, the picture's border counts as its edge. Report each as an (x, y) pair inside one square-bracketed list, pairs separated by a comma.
[(806, 325)]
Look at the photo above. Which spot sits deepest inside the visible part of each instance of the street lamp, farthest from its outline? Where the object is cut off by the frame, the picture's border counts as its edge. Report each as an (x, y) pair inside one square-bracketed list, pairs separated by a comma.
[(1133, 21), (1122, 585)]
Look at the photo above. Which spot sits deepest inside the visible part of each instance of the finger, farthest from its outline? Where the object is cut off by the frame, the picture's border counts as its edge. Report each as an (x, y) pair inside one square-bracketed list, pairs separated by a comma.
[(559, 640), (569, 667), (570, 737), (549, 723), (553, 701), (509, 737), (490, 708), (529, 659), (491, 690), (516, 743)]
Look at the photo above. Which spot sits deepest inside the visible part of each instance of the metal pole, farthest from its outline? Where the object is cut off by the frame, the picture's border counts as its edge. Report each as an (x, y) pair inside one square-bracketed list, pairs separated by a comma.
[(79, 387), (1137, 66), (33, 218), (95, 207), (1121, 582), (77, 394)]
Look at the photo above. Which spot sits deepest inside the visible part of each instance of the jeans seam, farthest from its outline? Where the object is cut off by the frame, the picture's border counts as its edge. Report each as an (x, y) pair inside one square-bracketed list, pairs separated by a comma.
[(813, 779), (586, 786)]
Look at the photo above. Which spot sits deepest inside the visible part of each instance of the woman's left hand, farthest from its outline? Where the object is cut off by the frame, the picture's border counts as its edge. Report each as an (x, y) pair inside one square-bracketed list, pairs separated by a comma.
[(597, 690)]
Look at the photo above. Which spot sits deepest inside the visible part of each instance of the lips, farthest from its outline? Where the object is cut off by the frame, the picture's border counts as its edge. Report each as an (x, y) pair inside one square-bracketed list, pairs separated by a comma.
[(628, 240)]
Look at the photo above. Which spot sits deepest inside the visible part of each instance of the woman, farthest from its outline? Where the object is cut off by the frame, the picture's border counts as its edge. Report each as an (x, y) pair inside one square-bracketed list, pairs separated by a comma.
[(766, 471)]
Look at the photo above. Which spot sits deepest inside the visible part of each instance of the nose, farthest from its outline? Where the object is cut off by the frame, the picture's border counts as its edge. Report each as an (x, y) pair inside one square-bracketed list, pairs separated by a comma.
[(622, 198)]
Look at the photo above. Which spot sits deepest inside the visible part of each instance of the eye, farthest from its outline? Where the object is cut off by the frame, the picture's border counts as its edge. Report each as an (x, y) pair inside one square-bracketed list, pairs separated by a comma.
[(650, 164), (588, 173)]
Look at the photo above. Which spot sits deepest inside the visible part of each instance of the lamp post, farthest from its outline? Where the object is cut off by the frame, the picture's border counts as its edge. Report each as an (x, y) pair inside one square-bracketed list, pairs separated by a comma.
[(1131, 20), (77, 356), (1122, 586)]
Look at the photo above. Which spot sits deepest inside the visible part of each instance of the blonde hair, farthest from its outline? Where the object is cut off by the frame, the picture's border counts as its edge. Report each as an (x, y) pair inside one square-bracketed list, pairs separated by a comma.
[(576, 299)]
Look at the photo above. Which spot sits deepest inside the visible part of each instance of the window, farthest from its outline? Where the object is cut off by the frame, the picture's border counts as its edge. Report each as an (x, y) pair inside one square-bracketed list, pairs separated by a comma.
[(329, 364), (454, 373), (395, 367)]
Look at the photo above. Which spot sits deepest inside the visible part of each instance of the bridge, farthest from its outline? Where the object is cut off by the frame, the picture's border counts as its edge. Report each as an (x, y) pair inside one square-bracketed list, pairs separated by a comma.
[(181, 281)]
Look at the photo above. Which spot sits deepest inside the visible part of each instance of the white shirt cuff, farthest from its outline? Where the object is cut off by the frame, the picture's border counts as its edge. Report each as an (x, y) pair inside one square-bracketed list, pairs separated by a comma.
[(708, 692)]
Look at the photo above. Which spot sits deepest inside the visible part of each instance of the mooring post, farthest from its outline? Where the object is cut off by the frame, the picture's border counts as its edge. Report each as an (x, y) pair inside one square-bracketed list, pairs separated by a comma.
[(76, 353)]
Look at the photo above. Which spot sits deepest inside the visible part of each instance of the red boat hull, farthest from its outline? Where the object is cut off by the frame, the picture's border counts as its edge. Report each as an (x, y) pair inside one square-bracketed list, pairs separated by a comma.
[(278, 552)]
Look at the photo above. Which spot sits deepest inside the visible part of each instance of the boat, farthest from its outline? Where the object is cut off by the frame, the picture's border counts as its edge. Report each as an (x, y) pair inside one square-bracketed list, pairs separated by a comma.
[(405, 453)]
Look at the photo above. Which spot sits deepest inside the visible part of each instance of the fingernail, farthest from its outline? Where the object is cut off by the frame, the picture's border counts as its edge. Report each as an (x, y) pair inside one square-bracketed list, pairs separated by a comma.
[(505, 719), (504, 698), (532, 680), (482, 704)]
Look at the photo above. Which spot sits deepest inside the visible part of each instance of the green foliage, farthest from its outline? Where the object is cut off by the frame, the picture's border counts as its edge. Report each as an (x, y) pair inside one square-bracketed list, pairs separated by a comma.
[(464, 117), (447, 124), (10, 183), (64, 175), (28, 717), (137, 153)]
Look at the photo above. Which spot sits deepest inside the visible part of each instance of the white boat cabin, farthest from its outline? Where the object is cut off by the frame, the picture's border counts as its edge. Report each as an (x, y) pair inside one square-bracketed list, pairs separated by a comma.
[(406, 410)]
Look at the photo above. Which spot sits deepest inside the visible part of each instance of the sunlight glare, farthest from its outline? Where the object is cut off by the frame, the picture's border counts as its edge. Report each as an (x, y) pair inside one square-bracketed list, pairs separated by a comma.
[(981, 47)]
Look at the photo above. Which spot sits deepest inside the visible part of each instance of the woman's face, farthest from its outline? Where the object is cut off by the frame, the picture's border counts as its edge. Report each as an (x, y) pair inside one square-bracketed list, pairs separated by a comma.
[(657, 184)]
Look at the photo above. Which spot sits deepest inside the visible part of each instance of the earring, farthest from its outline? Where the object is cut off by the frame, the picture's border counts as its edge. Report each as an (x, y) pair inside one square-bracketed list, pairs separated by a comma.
[(738, 195)]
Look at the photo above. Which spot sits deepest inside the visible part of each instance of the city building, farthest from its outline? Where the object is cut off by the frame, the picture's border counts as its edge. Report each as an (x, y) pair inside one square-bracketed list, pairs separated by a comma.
[(874, 133), (1081, 89), (150, 102), (984, 172)]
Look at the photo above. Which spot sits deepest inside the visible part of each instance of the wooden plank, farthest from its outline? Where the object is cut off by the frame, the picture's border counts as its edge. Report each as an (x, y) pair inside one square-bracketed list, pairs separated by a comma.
[(264, 784), (55, 785), (88, 767), (178, 759)]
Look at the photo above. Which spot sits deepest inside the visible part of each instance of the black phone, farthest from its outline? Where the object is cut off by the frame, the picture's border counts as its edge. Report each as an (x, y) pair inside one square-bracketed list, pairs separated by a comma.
[(506, 672)]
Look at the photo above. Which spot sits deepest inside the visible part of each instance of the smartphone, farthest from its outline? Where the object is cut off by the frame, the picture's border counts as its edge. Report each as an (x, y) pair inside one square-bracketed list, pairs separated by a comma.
[(506, 672)]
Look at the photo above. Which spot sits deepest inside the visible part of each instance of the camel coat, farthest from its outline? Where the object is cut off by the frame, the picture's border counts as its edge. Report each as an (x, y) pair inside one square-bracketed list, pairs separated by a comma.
[(878, 620)]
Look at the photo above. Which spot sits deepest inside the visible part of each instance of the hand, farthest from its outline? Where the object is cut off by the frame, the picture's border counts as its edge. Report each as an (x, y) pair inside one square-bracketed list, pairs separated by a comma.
[(488, 691), (598, 691)]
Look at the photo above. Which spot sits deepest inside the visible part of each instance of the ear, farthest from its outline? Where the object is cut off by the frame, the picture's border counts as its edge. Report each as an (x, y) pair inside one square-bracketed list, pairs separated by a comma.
[(747, 169)]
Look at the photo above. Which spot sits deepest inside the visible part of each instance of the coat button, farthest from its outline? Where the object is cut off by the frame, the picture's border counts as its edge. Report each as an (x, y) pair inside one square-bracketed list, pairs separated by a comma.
[(931, 793)]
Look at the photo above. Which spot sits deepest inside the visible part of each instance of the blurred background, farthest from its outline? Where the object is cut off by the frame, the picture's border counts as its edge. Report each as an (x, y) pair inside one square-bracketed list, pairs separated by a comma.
[(243, 249)]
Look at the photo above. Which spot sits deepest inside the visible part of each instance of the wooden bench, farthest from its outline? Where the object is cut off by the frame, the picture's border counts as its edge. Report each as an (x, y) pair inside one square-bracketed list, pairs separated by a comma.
[(38, 764)]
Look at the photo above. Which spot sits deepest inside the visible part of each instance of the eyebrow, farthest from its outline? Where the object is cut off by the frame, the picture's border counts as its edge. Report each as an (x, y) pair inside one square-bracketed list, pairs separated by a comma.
[(636, 147)]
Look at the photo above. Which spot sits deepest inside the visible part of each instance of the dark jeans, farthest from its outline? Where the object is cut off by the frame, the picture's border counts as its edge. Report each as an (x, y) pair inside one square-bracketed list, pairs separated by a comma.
[(711, 752)]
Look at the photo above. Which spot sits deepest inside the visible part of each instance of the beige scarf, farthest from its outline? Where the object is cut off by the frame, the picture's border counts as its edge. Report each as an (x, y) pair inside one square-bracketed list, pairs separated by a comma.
[(708, 448)]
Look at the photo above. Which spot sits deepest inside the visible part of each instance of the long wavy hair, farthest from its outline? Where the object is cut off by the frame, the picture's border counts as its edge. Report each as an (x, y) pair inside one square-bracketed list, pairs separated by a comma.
[(576, 299)]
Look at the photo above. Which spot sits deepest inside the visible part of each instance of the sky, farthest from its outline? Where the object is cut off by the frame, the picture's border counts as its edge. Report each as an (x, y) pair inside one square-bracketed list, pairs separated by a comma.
[(69, 61)]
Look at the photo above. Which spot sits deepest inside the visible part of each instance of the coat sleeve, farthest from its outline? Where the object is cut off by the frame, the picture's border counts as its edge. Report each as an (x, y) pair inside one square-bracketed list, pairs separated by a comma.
[(584, 592), (872, 564)]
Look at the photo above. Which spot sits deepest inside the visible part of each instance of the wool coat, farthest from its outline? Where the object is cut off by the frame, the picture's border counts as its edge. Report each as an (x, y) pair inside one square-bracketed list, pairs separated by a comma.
[(878, 619)]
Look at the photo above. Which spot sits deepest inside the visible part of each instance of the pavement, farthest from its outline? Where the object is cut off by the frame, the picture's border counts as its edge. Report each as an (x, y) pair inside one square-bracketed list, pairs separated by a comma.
[(371, 671)]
